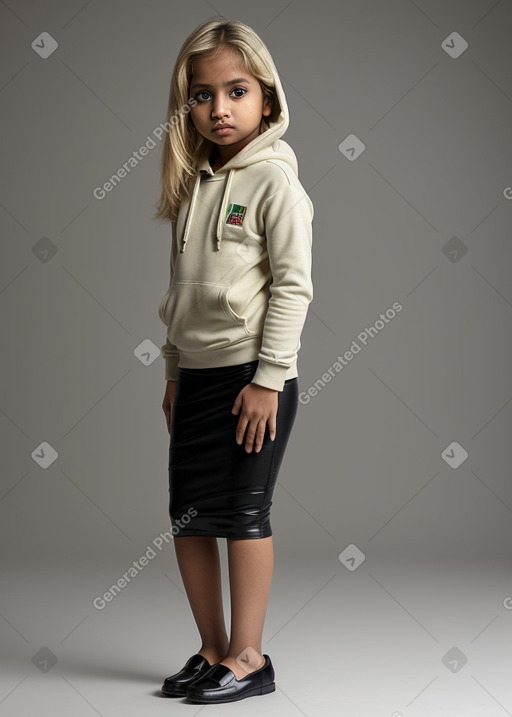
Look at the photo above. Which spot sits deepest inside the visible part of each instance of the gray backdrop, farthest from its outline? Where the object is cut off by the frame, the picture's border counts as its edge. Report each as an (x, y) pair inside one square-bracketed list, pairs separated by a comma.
[(392, 514)]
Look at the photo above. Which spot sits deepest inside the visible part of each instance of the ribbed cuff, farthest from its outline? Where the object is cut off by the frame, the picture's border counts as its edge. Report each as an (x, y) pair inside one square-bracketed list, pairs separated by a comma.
[(171, 368), (270, 375)]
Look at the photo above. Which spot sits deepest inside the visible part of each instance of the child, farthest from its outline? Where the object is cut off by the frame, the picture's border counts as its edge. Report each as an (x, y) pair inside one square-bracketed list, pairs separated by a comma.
[(235, 309)]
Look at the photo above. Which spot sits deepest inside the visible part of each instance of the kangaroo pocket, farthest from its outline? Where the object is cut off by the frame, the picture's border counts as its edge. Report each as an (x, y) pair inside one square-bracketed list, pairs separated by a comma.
[(199, 317), (162, 306)]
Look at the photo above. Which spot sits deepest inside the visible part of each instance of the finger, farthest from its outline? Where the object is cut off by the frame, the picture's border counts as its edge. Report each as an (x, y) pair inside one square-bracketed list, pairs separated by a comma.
[(240, 429), (251, 435), (249, 441), (237, 404), (272, 426), (260, 436)]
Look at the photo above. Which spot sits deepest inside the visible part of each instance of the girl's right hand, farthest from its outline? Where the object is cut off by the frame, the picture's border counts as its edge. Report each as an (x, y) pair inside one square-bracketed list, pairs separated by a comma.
[(170, 393)]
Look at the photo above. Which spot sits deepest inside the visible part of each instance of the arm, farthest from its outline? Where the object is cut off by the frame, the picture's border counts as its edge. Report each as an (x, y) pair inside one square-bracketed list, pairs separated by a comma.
[(288, 216), (171, 357), (169, 351)]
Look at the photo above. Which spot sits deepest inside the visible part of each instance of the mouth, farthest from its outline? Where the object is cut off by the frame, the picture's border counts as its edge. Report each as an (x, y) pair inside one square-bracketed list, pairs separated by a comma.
[(223, 129)]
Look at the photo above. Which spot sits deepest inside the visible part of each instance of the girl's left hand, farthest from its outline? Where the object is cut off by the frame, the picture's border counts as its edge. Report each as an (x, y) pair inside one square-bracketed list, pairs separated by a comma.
[(259, 405)]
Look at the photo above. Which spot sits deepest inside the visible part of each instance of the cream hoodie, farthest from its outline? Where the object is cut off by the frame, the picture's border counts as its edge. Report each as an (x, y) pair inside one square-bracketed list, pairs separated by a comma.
[(241, 263)]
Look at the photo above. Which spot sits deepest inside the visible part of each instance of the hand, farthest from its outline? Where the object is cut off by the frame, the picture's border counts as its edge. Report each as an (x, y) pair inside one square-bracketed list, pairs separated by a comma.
[(259, 405), (170, 393)]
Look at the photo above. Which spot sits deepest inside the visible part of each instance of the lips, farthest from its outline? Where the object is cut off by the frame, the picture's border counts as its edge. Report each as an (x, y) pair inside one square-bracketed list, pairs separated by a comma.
[(222, 126)]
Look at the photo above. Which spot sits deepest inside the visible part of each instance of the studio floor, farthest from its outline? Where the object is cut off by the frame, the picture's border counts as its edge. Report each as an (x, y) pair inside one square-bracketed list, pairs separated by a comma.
[(390, 640)]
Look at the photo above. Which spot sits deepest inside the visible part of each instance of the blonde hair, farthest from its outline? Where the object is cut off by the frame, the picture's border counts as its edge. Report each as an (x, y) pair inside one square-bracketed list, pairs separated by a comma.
[(183, 145)]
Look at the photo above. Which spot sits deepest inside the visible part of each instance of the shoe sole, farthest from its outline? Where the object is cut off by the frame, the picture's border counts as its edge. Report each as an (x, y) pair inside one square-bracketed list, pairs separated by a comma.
[(265, 690), (173, 694)]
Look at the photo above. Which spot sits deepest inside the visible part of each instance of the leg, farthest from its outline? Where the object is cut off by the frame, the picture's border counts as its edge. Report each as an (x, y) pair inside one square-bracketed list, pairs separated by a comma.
[(251, 560), (251, 565), (199, 564)]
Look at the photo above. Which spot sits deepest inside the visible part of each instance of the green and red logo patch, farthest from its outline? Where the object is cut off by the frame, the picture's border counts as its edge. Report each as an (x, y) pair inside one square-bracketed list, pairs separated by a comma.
[(235, 214)]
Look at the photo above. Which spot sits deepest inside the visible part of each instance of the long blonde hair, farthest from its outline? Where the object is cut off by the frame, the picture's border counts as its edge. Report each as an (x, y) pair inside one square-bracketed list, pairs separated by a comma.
[(183, 145)]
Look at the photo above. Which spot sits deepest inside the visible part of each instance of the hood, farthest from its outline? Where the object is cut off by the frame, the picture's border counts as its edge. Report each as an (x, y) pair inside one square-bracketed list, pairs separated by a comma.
[(266, 145)]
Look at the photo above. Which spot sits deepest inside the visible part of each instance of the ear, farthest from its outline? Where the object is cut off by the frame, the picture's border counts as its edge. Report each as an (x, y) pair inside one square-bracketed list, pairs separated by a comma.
[(267, 106)]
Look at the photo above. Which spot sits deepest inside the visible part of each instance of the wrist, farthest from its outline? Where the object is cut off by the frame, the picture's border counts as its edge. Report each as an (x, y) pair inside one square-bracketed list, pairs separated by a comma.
[(264, 388)]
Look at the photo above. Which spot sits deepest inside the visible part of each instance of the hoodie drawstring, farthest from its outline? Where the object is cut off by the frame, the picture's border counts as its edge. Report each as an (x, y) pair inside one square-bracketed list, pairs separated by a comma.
[(222, 210), (190, 211)]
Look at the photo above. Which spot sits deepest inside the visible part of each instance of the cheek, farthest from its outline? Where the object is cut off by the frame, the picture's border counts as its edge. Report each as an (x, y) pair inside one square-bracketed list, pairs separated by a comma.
[(250, 110), (254, 109), (197, 114)]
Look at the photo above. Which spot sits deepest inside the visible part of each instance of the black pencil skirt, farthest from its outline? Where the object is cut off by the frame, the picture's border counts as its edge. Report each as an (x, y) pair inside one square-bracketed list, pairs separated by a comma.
[(216, 487)]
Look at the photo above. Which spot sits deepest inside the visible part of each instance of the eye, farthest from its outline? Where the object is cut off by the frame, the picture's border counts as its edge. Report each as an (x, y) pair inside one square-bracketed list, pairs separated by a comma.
[(205, 92)]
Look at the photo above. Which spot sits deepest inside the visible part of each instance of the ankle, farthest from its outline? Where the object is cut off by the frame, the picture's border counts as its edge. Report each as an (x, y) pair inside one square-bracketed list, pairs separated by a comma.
[(213, 653), (249, 658)]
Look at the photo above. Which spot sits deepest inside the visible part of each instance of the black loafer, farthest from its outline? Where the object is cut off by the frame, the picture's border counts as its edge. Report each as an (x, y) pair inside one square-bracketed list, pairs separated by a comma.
[(195, 667), (219, 684)]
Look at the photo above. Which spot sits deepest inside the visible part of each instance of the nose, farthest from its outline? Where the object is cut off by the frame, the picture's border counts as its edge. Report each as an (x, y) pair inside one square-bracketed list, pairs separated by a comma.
[(220, 107)]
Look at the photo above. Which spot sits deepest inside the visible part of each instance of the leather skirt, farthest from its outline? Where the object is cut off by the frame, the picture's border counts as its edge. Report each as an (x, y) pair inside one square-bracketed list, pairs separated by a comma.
[(216, 487)]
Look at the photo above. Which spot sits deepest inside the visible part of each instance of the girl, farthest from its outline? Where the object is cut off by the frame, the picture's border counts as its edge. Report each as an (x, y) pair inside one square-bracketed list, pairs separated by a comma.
[(235, 309)]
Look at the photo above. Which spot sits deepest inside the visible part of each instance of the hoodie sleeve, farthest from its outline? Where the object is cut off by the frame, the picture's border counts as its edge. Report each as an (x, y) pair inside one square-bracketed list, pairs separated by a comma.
[(288, 216), (171, 356), (169, 351)]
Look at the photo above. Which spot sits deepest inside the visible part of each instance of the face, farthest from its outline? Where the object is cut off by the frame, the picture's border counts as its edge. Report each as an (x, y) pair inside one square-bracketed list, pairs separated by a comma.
[(221, 101)]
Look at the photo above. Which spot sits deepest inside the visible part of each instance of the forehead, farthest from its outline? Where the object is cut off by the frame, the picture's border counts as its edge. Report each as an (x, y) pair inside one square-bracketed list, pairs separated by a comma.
[(217, 69)]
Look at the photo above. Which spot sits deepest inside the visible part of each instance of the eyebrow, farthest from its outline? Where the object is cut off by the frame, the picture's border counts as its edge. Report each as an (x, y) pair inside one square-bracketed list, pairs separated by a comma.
[(229, 82)]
